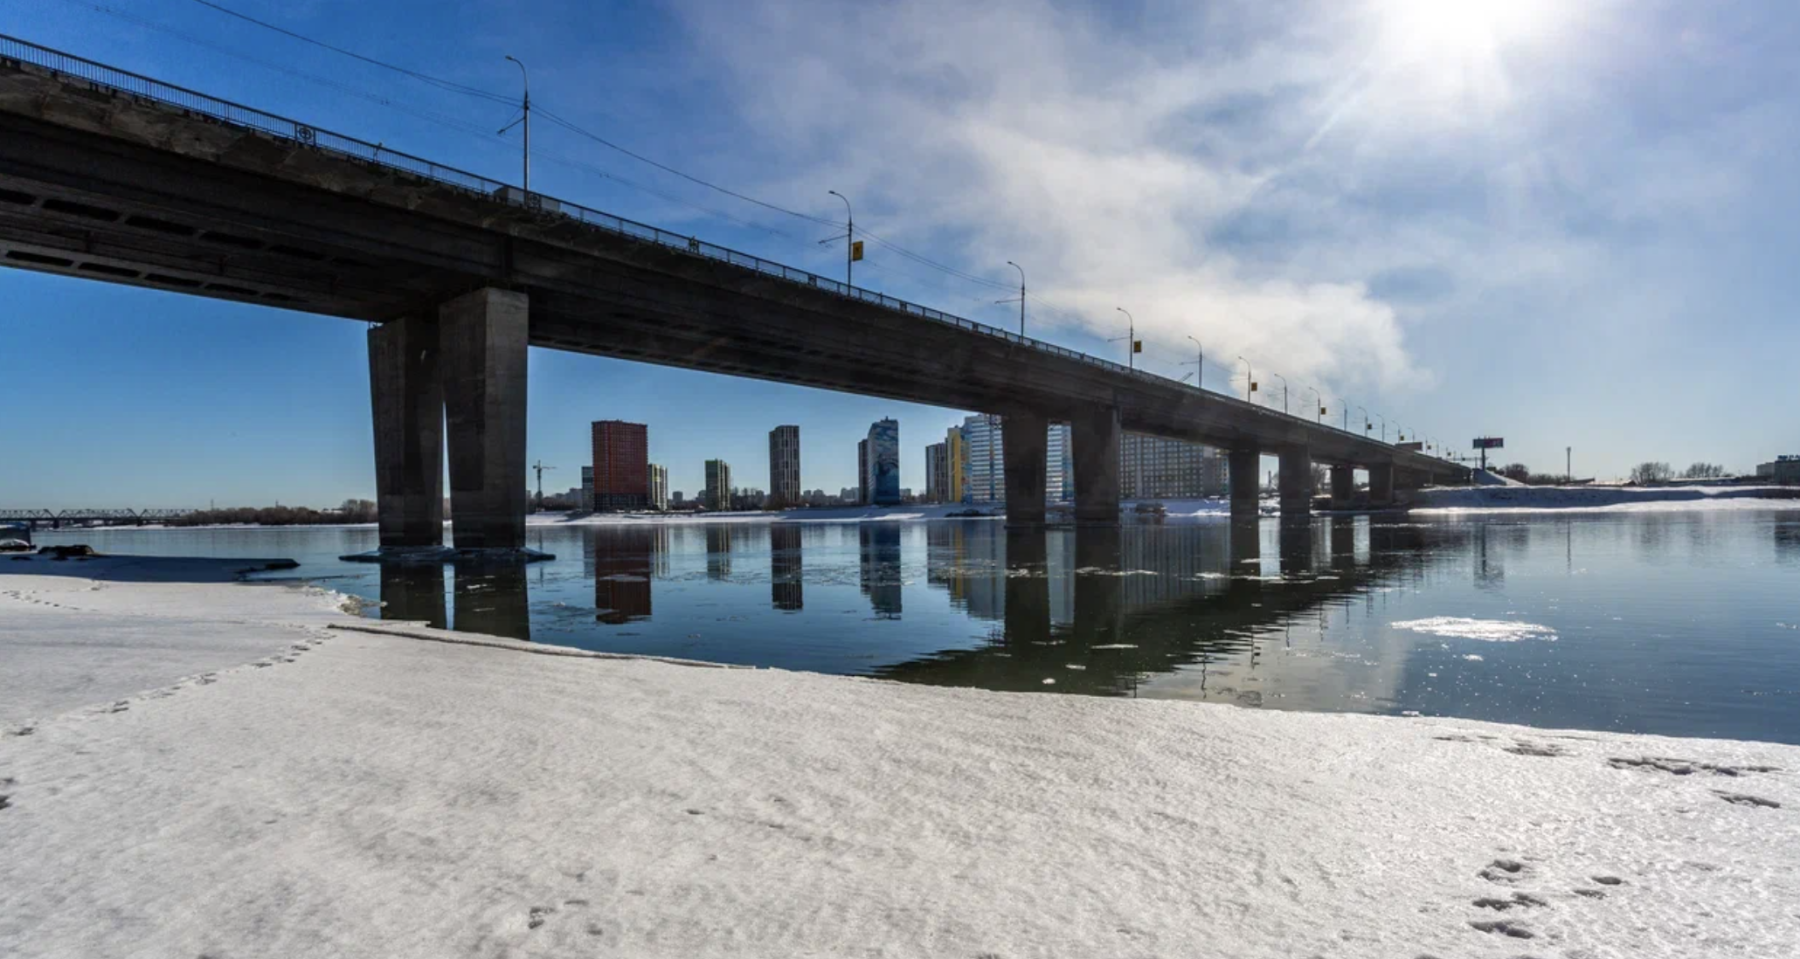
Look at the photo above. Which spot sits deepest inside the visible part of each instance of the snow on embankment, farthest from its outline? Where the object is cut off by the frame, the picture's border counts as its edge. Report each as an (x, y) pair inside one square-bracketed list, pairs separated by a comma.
[(80, 632), (1607, 498), (376, 796)]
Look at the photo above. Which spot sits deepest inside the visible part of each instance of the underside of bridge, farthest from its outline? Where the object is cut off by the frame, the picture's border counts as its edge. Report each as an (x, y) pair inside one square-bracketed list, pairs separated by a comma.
[(162, 190)]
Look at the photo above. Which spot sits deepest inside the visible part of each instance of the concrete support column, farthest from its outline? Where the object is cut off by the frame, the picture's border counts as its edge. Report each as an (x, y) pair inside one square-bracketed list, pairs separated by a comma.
[(1027, 588), (1095, 436), (1381, 484), (1296, 481), (1245, 466), (482, 335), (1343, 486), (406, 396), (1024, 447)]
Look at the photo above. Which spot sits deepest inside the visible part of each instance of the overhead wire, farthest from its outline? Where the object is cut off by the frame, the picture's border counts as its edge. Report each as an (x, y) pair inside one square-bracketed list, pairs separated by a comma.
[(450, 85), (451, 122)]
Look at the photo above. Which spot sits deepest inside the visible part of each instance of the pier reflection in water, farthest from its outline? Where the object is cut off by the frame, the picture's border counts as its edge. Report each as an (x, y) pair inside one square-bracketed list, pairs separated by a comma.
[(1261, 614)]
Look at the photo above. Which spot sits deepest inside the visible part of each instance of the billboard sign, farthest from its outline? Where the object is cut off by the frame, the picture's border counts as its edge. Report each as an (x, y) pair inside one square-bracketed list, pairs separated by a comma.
[(1489, 443)]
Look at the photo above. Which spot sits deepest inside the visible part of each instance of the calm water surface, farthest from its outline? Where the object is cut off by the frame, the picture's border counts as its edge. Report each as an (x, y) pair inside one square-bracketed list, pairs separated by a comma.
[(1674, 623)]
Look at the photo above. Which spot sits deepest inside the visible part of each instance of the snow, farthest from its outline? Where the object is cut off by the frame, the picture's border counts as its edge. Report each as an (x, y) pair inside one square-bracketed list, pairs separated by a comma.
[(365, 793), (80, 631), (1483, 499), (1486, 630)]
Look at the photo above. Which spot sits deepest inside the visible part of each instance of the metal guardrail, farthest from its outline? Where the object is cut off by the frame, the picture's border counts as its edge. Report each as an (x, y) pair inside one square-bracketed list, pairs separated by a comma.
[(123, 82)]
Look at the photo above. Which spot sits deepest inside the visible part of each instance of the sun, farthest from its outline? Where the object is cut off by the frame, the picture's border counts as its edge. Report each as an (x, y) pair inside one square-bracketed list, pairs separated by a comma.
[(1456, 31)]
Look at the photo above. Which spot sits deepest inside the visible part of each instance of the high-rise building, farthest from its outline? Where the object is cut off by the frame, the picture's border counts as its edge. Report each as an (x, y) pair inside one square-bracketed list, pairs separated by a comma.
[(784, 466), (862, 471), (621, 465), (1153, 467), (937, 473), (985, 474), (659, 486), (718, 485), (587, 488), (956, 461), (1059, 466), (883, 447)]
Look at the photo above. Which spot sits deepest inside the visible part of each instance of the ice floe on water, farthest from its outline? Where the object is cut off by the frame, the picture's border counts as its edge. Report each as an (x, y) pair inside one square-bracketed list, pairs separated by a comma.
[(1486, 630)]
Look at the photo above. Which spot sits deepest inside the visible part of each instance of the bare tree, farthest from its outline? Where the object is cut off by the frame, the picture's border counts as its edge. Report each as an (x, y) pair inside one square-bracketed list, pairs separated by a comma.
[(1515, 471), (1704, 470), (1651, 471)]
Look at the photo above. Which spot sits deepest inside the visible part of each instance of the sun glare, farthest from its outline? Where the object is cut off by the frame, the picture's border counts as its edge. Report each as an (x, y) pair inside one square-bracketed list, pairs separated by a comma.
[(1457, 30)]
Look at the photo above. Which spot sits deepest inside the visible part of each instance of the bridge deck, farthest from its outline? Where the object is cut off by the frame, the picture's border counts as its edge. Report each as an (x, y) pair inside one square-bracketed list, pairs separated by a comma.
[(111, 176)]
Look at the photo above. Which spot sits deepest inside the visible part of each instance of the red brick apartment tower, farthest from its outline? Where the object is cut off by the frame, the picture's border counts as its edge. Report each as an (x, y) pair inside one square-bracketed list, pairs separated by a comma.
[(621, 465)]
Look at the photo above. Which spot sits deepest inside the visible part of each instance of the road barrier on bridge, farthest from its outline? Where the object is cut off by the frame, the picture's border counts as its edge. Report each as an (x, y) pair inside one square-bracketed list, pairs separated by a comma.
[(103, 78)]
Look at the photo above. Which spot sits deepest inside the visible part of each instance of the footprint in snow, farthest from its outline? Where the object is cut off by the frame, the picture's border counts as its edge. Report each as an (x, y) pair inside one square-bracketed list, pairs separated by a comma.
[(1744, 799)]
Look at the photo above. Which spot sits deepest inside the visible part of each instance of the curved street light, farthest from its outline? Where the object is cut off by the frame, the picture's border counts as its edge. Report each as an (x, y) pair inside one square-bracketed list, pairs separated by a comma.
[(526, 120), (1130, 339), (1318, 401), (1249, 380), (1367, 425), (1021, 295), (1344, 405), (1199, 364), (849, 235), (1383, 420), (1284, 390)]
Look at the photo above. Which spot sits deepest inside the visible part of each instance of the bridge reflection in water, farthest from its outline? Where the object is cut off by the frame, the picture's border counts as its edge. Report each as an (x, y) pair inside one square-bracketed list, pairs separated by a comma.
[(1139, 609)]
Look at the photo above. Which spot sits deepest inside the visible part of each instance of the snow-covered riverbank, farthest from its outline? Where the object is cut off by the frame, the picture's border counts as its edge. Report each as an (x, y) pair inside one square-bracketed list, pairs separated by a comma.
[(358, 793), (1474, 499)]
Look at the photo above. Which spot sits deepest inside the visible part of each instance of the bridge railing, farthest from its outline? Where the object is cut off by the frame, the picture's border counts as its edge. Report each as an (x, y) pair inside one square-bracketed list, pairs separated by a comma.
[(123, 82)]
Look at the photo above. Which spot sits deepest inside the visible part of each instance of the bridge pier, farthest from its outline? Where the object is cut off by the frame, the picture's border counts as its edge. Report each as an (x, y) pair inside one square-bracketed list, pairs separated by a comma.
[(1296, 481), (1381, 485), (1024, 450), (407, 398), (482, 337), (1343, 486), (1095, 437), (1243, 466)]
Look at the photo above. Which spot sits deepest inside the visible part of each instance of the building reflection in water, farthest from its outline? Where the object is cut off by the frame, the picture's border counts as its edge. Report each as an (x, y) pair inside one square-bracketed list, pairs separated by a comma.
[(718, 553), (1787, 542), (786, 591), (880, 548), (625, 562), (964, 559)]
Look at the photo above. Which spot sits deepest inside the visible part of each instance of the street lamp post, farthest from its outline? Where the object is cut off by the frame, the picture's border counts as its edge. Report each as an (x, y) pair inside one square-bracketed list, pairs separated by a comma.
[(1367, 426), (1345, 405), (1249, 381), (849, 236), (1021, 295), (1130, 338), (1319, 401), (1284, 390), (1199, 364), (1383, 420), (525, 118)]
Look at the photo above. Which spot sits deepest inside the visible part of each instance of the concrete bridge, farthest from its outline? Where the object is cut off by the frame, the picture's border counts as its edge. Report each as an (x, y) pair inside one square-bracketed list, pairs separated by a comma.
[(113, 176)]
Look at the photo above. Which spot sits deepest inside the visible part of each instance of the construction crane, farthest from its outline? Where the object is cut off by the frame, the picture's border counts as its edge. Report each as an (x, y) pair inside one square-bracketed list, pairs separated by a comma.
[(540, 467)]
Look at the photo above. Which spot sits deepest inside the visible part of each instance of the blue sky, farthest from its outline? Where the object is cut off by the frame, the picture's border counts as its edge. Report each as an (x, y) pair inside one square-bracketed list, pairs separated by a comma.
[(1564, 223)]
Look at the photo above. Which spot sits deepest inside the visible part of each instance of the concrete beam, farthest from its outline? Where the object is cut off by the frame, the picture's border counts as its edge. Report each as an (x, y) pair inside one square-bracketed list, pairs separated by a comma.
[(1095, 437), (1381, 485), (1244, 468), (1296, 481), (1343, 486), (482, 336), (1024, 449), (406, 395)]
